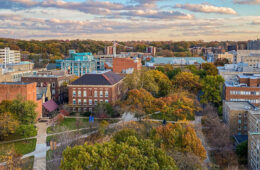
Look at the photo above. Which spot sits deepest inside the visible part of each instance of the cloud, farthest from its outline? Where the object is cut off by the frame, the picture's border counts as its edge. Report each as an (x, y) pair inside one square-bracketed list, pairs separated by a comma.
[(247, 1), (205, 8), (256, 22)]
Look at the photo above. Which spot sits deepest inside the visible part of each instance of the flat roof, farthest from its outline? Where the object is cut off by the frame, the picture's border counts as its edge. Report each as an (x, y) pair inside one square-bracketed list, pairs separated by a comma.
[(14, 83), (238, 105)]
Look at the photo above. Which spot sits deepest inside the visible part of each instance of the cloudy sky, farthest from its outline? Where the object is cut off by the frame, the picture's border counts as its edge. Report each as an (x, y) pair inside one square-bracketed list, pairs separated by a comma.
[(130, 19)]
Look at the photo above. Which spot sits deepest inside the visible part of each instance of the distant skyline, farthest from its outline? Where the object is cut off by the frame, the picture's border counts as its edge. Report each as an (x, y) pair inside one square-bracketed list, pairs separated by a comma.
[(124, 20)]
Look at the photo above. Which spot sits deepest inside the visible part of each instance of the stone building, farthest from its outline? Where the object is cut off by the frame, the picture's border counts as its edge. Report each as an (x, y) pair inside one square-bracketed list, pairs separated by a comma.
[(11, 90), (87, 91)]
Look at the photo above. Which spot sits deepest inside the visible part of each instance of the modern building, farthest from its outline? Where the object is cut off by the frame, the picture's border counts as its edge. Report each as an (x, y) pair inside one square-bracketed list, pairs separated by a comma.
[(58, 84), (80, 63), (90, 89), (10, 56), (230, 71), (28, 91), (245, 88), (254, 139), (252, 57), (253, 44), (175, 61), (126, 65), (151, 50), (225, 55)]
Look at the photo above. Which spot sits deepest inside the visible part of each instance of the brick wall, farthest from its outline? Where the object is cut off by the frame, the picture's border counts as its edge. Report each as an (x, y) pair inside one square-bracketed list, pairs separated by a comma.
[(120, 64)]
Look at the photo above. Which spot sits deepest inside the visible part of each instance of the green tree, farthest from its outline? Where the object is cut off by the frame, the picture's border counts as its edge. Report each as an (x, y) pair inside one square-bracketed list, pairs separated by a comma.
[(241, 151), (210, 69), (132, 154), (24, 111), (212, 89), (122, 135), (26, 131), (8, 124)]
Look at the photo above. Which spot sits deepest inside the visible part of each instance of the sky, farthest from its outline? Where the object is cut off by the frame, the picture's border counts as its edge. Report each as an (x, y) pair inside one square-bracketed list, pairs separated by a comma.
[(124, 20)]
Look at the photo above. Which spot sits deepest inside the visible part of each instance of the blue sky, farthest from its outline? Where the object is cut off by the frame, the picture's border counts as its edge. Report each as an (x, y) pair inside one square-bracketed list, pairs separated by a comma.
[(130, 19)]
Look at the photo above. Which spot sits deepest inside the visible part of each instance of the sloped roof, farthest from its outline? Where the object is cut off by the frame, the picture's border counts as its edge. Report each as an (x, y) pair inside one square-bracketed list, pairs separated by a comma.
[(50, 106), (105, 78)]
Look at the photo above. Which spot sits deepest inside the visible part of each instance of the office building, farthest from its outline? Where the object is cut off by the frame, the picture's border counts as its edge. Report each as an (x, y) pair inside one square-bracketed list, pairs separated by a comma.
[(90, 89), (126, 65), (254, 139), (10, 56), (253, 44), (80, 63), (245, 88), (151, 50), (28, 91), (230, 71), (252, 57)]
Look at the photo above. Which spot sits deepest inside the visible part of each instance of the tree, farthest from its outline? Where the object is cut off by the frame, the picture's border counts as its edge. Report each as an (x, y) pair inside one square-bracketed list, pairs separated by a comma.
[(139, 102), (187, 81), (241, 151), (212, 89), (132, 154), (24, 110), (154, 81), (179, 137), (8, 124), (123, 134), (26, 131), (210, 69)]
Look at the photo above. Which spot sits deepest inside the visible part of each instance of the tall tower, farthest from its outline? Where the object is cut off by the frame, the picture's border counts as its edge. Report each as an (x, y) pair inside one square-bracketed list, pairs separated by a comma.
[(114, 49)]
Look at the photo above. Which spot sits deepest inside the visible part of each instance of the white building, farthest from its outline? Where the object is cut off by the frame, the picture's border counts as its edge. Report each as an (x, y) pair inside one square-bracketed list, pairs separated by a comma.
[(10, 56), (248, 56)]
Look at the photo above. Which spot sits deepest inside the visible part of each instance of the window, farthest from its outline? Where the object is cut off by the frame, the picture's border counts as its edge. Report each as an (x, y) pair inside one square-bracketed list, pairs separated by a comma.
[(84, 109), (90, 109), (100, 93), (95, 94), (79, 93), (106, 101), (74, 93), (90, 102), (53, 84), (100, 100), (53, 91), (84, 93), (79, 109), (106, 93), (74, 101), (239, 121), (79, 101), (85, 101), (95, 101)]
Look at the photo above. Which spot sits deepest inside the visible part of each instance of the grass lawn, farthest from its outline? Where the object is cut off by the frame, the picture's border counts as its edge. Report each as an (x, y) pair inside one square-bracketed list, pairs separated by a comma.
[(21, 147), (69, 124)]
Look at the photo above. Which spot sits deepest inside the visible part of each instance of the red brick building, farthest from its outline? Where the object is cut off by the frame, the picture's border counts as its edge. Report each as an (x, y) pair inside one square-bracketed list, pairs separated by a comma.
[(90, 89), (124, 65), (245, 88), (11, 90)]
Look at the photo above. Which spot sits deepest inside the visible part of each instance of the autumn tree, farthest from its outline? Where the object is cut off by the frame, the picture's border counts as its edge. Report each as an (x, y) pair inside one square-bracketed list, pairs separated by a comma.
[(187, 81), (8, 124), (179, 137), (212, 89), (178, 106), (154, 81), (210, 69), (139, 102), (132, 154)]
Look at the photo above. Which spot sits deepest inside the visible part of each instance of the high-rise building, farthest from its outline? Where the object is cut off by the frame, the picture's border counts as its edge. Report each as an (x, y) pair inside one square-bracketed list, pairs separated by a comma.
[(10, 56), (111, 50), (253, 44), (151, 50)]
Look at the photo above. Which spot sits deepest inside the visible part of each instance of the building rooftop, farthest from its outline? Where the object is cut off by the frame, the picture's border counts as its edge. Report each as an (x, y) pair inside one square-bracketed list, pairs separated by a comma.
[(239, 105), (177, 60), (14, 83), (98, 78)]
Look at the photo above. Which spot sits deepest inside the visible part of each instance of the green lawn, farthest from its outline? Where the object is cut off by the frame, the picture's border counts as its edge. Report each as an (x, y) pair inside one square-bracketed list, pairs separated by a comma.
[(21, 147), (68, 124)]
